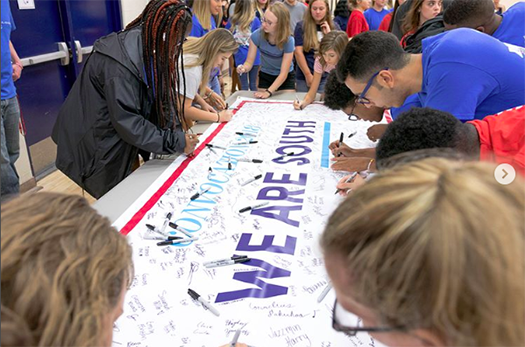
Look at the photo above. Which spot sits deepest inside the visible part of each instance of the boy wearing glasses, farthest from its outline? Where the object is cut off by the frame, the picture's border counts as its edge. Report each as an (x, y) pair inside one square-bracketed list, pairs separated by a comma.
[(454, 73)]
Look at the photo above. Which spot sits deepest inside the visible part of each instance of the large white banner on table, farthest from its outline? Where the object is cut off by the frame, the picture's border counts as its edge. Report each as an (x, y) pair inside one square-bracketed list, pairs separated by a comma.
[(273, 297)]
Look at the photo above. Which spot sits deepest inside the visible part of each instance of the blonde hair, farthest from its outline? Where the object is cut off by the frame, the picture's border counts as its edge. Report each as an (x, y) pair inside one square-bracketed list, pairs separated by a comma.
[(206, 49), (283, 31), (261, 10), (243, 15), (63, 269), (201, 9), (336, 40), (437, 245), (311, 42)]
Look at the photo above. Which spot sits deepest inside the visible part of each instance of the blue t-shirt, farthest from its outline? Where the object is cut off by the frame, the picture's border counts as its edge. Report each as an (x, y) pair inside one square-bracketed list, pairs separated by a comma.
[(271, 55), (374, 18), (512, 27), (411, 101), (243, 39), (471, 74), (197, 30), (8, 25)]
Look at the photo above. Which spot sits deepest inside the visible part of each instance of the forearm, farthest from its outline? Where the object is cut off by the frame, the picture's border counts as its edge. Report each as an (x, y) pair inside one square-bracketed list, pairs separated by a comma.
[(199, 100), (14, 56), (278, 81), (301, 61), (310, 97), (193, 113)]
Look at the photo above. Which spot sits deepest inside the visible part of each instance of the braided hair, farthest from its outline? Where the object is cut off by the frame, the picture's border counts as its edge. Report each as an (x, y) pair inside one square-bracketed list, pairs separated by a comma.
[(164, 25)]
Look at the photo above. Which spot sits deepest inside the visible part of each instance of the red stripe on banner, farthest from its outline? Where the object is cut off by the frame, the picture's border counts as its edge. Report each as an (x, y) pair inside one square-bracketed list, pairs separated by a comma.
[(165, 186)]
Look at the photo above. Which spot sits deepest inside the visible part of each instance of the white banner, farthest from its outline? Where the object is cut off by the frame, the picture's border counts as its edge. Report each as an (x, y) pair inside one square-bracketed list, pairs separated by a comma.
[(274, 296)]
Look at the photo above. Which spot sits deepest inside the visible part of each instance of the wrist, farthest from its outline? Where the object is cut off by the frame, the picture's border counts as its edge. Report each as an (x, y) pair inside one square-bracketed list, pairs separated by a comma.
[(218, 117), (19, 64), (269, 92)]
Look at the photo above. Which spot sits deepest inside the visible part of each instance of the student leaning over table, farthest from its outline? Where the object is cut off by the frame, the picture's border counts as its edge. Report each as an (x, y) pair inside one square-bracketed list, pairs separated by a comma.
[(120, 105), (65, 272), (430, 254), (202, 55)]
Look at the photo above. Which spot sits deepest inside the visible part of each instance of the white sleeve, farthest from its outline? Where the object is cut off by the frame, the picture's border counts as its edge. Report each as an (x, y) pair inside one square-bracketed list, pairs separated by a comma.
[(193, 78)]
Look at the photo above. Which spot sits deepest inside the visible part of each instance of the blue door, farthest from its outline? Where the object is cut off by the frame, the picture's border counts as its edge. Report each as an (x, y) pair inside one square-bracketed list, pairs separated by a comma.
[(53, 40)]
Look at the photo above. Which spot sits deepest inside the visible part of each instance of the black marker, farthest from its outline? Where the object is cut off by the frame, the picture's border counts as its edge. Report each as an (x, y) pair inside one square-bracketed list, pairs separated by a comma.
[(196, 195), (284, 155), (352, 134), (210, 170), (257, 161), (251, 142), (249, 208), (209, 145), (176, 227), (340, 142), (176, 242), (251, 180), (350, 179), (229, 163), (153, 228), (245, 134)]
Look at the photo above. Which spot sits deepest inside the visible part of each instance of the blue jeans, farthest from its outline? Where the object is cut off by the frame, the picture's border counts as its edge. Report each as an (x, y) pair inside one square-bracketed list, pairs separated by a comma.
[(215, 85), (301, 87), (10, 146), (252, 76)]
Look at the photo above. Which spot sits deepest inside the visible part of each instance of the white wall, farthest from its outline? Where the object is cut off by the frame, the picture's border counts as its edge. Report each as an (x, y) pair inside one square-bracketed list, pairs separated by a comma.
[(130, 9)]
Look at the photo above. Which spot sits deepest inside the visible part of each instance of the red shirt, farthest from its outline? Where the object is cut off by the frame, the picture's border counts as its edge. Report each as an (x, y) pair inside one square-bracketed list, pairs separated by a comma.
[(356, 24), (502, 138), (385, 23)]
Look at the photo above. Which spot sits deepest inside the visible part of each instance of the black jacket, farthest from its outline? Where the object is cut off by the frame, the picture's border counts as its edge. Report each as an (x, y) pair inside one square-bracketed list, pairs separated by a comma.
[(432, 27), (105, 119)]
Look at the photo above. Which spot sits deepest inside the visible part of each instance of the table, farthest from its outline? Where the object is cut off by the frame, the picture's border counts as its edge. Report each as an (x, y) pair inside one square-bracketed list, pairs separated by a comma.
[(118, 199)]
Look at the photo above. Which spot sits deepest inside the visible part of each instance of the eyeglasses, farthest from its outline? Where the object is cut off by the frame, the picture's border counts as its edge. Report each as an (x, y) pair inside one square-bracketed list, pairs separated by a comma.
[(264, 20), (361, 97), (348, 323), (352, 116)]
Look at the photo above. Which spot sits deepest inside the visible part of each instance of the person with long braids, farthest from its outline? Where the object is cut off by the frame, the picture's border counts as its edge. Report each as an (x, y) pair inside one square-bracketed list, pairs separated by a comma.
[(126, 100)]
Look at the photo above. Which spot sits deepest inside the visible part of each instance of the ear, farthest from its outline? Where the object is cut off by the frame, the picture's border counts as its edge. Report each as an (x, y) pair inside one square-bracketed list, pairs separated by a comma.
[(481, 28), (386, 79), (429, 338)]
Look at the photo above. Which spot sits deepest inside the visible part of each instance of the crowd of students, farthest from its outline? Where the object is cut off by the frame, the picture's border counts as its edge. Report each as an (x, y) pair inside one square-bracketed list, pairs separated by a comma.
[(426, 248)]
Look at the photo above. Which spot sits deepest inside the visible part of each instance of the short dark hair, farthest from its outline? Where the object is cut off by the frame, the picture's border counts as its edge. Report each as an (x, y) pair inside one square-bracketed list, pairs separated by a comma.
[(420, 128), (370, 52), (337, 95), (468, 13)]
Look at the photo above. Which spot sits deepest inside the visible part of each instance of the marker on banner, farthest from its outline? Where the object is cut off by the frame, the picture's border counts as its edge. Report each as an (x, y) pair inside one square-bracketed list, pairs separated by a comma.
[(235, 338), (165, 224), (226, 259), (325, 291), (251, 180), (196, 195), (209, 145), (352, 134), (176, 227), (153, 238), (284, 155), (210, 170), (229, 163), (340, 143), (211, 149), (176, 242), (154, 229), (350, 179), (204, 303), (226, 262), (251, 142), (245, 134), (249, 208), (257, 161)]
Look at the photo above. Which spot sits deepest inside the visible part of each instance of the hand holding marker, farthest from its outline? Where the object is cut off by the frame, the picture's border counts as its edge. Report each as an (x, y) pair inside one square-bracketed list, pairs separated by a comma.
[(340, 143), (350, 179)]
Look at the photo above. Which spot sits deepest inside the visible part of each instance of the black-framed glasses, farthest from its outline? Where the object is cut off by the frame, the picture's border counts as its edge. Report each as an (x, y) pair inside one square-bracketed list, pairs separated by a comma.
[(348, 323), (352, 116), (361, 97)]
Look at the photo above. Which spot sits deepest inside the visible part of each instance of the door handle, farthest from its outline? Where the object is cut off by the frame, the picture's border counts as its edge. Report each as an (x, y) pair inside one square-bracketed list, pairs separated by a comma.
[(81, 51), (62, 54)]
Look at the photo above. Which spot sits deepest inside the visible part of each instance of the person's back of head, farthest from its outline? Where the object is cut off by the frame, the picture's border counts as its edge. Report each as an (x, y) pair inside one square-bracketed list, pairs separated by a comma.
[(341, 9), (337, 96), (243, 15), (468, 14), (64, 271), (378, 49), (433, 250), (421, 128)]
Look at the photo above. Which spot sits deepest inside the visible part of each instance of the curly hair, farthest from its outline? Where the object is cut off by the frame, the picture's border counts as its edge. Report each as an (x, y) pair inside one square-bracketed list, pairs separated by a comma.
[(468, 13), (337, 96), (63, 269), (419, 128)]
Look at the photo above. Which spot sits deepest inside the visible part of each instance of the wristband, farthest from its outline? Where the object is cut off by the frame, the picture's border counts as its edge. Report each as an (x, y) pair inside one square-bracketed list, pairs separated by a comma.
[(369, 164), (269, 92), (218, 117)]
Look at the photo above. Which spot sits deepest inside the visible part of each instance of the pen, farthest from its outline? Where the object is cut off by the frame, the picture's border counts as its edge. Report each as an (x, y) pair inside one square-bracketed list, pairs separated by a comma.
[(165, 224), (204, 303), (229, 163), (350, 179), (340, 142), (227, 262), (251, 142), (245, 209), (245, 134), (251, 180), (297, 99), (284, 155), (176, 227), (352, 134), (209, 145), (258, 161), (325, 291), (235, 338), (226, 259), (196, 195), (176, 242), (154, 229)]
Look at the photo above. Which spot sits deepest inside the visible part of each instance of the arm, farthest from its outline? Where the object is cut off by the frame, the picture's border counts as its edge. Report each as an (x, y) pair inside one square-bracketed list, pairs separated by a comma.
[(131, 125), (248, 64), (193, 113), (310, 97), (303, 65), (285, 68), (17, 63)]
